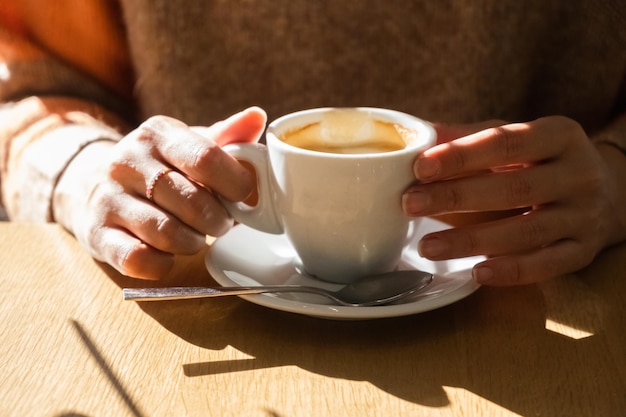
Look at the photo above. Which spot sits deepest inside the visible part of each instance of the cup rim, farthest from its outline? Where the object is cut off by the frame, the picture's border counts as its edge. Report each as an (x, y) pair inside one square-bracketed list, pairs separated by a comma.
[(426, 132)]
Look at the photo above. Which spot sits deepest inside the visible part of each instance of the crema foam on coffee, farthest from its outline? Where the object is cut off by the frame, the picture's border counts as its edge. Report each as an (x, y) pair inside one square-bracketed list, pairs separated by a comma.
[(350, 133)]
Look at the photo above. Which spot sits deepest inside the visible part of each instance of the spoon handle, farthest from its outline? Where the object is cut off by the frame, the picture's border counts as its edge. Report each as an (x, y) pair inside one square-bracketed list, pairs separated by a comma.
[(183, 293)]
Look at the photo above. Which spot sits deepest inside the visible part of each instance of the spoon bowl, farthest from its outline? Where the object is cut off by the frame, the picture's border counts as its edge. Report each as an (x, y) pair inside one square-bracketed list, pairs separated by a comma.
[(371, 290)]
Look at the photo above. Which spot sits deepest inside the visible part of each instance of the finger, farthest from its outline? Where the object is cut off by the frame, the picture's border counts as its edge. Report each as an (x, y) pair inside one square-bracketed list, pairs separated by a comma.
[(129, 255), (155, 227), (558, 259), (246, 126), (201, 158), (192, 204), (174, 193), (517, 234), (519, 188), (520, 143)]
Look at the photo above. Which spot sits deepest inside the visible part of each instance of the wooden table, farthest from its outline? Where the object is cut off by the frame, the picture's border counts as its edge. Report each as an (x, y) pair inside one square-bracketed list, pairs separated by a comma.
[(72, 347)]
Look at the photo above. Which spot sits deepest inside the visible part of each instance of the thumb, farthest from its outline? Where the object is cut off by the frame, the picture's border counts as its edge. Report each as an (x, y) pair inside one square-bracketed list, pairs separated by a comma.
[(245, 126)]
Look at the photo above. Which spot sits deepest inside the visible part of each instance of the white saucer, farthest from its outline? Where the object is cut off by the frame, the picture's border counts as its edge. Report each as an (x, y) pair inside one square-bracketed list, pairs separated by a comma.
[(245, 256)]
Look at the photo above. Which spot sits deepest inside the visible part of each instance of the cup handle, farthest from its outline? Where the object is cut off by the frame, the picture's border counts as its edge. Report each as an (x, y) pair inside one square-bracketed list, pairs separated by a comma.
[(262, 216)]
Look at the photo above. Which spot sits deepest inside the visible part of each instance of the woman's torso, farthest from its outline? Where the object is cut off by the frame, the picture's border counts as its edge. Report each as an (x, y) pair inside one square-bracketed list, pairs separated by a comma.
[(455, 60)]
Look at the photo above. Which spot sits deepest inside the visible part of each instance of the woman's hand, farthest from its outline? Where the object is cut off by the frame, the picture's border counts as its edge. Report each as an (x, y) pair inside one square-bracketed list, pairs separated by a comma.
[(548, 168), (139, 231)]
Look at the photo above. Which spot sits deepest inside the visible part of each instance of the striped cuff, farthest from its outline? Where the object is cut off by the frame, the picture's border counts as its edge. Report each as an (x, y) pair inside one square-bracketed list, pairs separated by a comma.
[(30, 188)]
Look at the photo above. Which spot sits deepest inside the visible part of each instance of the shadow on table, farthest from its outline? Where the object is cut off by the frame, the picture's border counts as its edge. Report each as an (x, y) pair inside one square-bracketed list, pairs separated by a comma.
[(493, 344)]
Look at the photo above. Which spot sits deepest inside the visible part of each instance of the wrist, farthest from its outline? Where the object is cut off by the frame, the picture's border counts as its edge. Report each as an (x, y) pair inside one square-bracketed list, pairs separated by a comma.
[(75, 184)]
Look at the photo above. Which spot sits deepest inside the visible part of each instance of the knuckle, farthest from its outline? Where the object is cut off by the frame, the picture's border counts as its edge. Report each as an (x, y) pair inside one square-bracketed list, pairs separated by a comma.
[(158, 123), (194, 198), (123, 151), (152, 132), (452, 199), (517, 191), (573, 132), (211, 217), (468, 244), (207, 216), (165, 226), (209, 156), (176, 237), (149, 130), (567, 125), (124, 159), (508, 144), (119, 169), (103, 203), (215, 219), (459, 159), (532, 233)]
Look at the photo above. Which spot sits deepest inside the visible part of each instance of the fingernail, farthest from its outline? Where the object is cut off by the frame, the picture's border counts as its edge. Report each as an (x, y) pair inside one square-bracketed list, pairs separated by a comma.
[(482, 274), (415, 202), (432, 247), (426, 168)]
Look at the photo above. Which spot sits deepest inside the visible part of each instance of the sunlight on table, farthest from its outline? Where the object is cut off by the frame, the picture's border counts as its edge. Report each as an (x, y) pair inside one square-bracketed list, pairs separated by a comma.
[(566, 330), (487, 408), (572, 309)]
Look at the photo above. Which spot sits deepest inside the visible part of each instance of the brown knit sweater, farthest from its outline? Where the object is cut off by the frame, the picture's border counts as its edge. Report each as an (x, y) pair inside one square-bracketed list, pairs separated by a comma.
[(442, 60), (455, 61)]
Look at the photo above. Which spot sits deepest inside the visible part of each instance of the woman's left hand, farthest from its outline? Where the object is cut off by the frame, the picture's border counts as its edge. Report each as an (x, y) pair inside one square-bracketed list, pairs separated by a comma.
[(548, 167)]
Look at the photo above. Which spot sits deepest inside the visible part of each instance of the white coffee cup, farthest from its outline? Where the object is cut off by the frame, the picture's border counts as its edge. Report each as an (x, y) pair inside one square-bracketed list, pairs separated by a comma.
[(341, 211)]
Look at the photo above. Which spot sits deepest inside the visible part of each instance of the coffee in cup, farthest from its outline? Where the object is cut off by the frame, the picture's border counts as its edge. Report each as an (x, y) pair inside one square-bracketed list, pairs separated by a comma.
[(347, 132), (332, 180)]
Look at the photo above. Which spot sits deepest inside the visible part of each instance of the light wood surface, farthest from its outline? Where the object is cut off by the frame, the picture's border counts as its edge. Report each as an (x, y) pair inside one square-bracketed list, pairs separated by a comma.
[(70, 346)]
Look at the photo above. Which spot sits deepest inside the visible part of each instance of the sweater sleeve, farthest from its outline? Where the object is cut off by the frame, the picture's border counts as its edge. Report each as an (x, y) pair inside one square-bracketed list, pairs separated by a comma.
[(49, 113)]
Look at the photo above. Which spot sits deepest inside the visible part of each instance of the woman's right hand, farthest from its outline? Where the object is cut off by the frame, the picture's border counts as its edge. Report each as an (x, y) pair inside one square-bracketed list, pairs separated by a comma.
[(103, 198)]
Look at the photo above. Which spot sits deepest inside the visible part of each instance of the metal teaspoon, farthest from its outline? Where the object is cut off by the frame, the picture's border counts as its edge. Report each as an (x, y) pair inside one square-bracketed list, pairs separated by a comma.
[(371, 290)]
